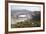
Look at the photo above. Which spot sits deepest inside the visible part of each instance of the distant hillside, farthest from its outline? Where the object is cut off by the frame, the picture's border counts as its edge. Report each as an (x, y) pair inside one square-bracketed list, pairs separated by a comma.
[(20, 12), (35, 15), (23, 12)]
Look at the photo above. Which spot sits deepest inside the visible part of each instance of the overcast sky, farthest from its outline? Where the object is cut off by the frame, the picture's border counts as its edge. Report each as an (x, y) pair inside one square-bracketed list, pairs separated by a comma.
[(30, 8)]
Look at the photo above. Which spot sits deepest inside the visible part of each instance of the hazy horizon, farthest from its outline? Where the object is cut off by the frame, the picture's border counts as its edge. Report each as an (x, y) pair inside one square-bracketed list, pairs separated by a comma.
[(30, 8)]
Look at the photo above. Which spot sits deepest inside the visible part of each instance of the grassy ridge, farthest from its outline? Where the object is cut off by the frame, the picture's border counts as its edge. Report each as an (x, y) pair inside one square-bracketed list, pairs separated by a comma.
[(26, 23)]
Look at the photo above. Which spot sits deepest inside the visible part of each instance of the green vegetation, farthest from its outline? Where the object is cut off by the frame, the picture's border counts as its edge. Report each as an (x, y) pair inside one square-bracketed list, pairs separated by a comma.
[(27, 23)]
